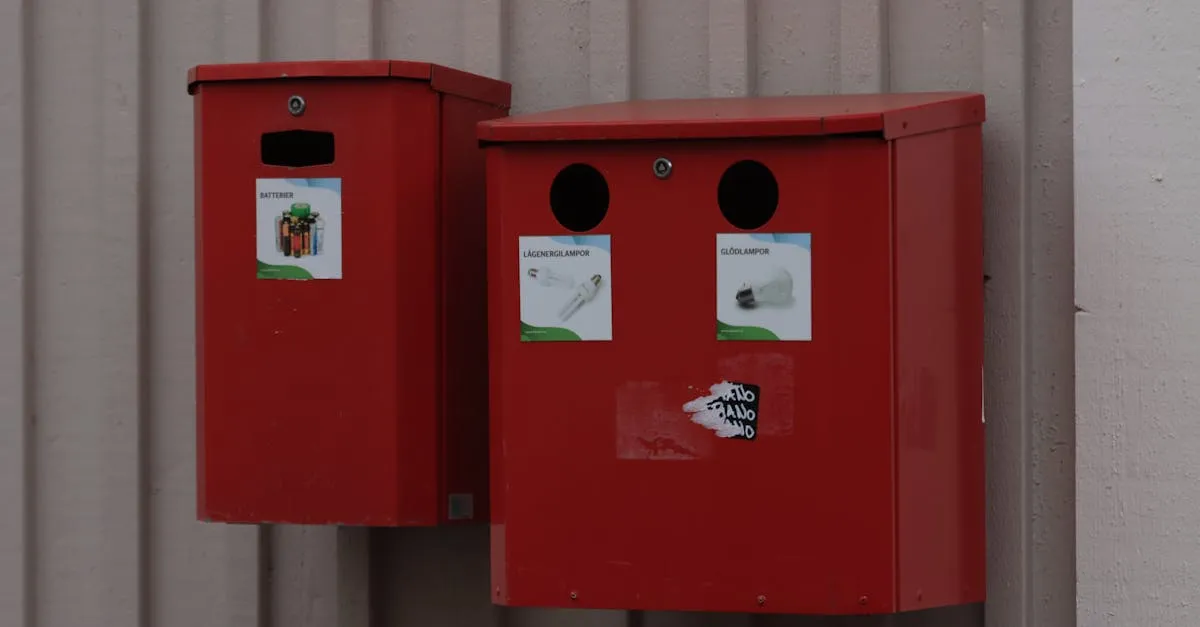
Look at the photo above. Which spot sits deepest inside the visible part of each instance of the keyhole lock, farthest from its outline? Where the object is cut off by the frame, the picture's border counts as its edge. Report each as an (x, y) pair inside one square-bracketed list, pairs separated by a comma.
[(662, 167), (296, 105)]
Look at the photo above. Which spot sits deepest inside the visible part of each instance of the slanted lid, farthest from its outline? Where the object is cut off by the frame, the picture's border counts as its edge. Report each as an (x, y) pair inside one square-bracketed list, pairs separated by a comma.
[(442, 79), (892, 115)]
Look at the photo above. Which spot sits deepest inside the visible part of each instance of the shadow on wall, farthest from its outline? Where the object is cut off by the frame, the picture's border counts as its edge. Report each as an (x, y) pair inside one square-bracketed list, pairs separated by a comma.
[(446, 582), (958, 616)]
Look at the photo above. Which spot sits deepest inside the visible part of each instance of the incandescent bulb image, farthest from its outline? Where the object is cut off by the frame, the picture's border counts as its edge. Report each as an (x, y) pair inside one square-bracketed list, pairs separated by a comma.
[(550, 278), (584, 293), (775, 289)]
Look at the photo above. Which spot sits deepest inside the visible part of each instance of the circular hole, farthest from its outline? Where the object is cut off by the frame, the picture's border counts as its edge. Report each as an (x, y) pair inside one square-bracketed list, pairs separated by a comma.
[(579, 197), (748, 195)]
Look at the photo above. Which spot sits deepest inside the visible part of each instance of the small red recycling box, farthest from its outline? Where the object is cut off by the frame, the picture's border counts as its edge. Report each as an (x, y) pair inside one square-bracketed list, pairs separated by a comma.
[(736, 348), (340, 267)]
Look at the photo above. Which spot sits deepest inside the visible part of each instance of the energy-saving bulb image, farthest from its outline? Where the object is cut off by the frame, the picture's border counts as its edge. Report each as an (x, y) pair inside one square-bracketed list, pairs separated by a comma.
[(550, 278), (583, 294), (776, 289)]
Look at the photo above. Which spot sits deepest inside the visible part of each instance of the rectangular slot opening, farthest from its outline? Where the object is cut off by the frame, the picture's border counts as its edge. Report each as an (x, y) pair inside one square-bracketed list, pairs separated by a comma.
[(297, 149)]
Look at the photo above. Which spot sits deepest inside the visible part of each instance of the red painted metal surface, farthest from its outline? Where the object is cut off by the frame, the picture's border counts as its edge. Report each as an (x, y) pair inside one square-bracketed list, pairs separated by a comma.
[(938, 247), (863, 491), (442, 79), (328, 401), (893, 115)]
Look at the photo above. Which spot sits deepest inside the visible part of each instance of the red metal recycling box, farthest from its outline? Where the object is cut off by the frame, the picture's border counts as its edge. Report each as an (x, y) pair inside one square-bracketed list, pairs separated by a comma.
[(736, 348), (341, 340)]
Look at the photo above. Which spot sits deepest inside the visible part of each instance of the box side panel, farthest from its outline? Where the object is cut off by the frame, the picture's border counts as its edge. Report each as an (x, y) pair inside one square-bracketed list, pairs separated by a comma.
[(198, 142), (318, 405), (415, 279), (939, 357), (497, 297), (619, 487), (464, 346)]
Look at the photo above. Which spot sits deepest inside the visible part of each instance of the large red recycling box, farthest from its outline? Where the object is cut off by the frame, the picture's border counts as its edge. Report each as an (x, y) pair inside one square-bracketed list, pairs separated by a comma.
[(341, 340), (736, 348)]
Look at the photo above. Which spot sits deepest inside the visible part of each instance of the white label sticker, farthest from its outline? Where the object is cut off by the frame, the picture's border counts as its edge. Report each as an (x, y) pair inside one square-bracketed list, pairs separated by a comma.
[(566, 288), (299, 228), (764, 286)]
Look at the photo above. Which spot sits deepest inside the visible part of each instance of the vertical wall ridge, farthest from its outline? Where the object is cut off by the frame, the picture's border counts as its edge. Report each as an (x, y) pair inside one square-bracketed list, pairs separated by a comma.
[(85, 138), (485, 26), (28, 381), (262, 12), (1004, 28), (610, 51), (1028, 366), (122, 151), (731, 48), (265, 9), (27, 417), (797, 47), (375, 48), (264, 595), (752, 47), (863, 60), (1050, 137), (354, 28), (884, 15), (16, 460), (143, 329)]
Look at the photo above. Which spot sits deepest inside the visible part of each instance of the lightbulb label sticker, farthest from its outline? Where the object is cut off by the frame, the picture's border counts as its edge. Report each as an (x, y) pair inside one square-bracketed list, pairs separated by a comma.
[(764, 286), (566, 288), (299, 228)]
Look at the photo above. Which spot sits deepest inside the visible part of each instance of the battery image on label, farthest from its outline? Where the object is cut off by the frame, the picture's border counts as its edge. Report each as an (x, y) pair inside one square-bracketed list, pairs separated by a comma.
[(299, 231), (283, 234), (318, 233)]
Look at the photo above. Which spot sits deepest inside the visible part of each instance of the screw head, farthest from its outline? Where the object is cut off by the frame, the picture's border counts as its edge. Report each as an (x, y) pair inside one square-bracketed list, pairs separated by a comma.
[(862, 600), (762, 599), (574, 595), (662, 167), (296, 105)]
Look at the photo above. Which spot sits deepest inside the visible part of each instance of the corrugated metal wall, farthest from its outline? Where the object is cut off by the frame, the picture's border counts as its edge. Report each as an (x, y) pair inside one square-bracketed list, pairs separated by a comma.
[(96, 303)]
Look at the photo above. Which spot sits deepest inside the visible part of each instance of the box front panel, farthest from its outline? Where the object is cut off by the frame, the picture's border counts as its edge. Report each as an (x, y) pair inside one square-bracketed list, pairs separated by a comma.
[(317, 302), (707, 426)]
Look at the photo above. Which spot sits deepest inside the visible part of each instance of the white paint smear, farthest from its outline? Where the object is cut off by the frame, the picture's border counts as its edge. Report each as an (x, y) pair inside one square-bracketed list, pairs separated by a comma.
[(709, 412)]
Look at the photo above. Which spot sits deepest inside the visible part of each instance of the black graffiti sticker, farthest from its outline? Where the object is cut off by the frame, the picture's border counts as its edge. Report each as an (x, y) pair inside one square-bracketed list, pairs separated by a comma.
[(730, 410)]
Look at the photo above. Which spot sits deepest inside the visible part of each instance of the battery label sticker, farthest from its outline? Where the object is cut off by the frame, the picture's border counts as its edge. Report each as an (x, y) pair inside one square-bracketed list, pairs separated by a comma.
[(730, 410), (764, 286), (566, 288), (299, 228)]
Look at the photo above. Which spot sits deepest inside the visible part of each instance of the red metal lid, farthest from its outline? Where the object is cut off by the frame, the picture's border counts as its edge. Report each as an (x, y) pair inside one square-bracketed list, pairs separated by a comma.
[(893, 115), (443, 79)]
